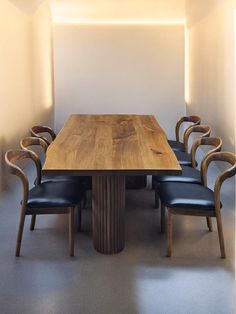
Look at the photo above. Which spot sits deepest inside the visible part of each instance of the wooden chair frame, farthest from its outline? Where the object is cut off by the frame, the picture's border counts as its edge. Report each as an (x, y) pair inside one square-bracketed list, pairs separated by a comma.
[(194, 119), (202, 128), (36, 130), (222, 156), (37, 141), (33, 141), (11, 158), (213, 141)]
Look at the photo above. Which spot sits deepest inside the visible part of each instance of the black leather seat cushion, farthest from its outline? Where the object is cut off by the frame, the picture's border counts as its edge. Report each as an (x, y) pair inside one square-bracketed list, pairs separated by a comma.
[(185, 195), (176, 145), (135, 182), (189, 175), (85, 180), (55, 194), (183, 158)]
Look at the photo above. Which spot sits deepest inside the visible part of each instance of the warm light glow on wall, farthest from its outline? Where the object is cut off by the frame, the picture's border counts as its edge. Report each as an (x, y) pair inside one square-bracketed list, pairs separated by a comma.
[(186, 52), (118, 12), (186, 67), (47, 82), (117, 22), (47, 72), (235, 78), (42, 58)]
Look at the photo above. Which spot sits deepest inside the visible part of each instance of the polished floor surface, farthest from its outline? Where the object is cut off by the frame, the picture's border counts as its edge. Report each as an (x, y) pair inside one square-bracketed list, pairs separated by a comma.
[(138, 280)]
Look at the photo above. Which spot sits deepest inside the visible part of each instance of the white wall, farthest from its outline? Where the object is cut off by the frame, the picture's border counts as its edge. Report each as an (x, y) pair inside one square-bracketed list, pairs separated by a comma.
[(23, 77), (211, 26), (119, 69), (15, 65)]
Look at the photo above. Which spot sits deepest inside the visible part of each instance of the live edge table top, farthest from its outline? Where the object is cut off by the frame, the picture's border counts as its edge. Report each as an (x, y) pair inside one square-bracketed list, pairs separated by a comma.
[(111, 144)]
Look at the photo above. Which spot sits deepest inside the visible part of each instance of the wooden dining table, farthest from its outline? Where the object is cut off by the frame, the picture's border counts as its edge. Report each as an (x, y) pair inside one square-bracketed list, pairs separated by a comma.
[(108, 148)]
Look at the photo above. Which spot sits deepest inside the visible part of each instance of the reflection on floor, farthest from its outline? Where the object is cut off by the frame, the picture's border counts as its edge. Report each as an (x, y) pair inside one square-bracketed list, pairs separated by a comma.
[(138, 280)]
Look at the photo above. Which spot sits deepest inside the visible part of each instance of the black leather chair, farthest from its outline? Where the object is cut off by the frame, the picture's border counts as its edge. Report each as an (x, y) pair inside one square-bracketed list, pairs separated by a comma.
[(28, 143), (135, 182), (40, 130), (195, 199), (178, 145), (184, 158), (44, 198), (189, 174)]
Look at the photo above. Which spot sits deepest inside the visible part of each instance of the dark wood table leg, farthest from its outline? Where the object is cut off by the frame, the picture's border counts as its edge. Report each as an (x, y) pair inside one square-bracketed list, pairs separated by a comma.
[(109, 213)]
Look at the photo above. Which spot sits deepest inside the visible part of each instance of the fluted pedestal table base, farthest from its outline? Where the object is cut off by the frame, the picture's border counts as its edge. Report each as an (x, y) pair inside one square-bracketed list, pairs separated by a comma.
[(108, 213)]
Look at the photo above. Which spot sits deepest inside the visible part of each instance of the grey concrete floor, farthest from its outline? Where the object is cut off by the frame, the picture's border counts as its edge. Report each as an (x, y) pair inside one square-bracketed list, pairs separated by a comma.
[(138, 280)]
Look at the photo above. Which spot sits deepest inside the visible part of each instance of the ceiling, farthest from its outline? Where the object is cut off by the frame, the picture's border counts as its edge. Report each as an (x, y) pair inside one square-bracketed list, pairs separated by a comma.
[(118, 10), (109, 10), (28, 6)]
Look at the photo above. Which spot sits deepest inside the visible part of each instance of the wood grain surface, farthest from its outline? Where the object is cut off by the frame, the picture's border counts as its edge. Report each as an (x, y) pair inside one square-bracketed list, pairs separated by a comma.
[(111, 144)]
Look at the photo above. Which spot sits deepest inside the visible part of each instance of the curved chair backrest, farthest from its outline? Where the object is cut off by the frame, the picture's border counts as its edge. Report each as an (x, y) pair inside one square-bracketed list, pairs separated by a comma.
[(12, 157), (204, 129), (194, 119), (211, 141), (230, 172), (33, 141), (39, 129)]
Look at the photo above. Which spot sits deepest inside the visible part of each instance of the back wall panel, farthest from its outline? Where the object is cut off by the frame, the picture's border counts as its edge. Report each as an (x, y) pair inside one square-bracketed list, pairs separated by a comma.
[(120, 69)]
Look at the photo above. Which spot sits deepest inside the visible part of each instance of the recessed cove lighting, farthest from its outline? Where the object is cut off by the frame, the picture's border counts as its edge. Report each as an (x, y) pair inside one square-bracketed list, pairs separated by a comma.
[(117, 22)]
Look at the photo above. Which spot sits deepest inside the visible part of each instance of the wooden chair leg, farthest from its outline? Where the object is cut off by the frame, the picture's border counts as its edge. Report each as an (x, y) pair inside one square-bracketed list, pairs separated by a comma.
[(71, 231), (209, 223), (84, 200), (79, 218), (163, 218), (32, 223), (220, 234), (156, 197), (169, 233), (20, 233)]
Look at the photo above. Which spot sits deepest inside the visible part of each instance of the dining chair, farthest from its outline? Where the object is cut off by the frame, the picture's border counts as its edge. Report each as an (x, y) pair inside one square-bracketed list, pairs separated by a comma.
[(184, 158), (135, 182), (177, 144), (27, 143), (196, 199), (189, 174), (79, 182), (44, 198), (39, 130)]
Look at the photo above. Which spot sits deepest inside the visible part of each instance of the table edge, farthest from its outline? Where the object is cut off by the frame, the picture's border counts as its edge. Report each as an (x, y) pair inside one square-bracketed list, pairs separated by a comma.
[(130, 172)]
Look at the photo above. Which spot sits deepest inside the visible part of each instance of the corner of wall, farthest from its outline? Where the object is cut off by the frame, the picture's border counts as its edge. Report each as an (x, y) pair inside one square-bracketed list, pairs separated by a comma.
[(26, 94)]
